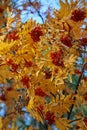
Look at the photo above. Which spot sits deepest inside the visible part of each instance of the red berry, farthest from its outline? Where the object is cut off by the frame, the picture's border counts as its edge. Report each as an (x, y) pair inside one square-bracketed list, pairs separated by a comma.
[(85, 78), (40, 108), (85, 96), (50, 117), (13, 36), (77, 127), (57, 58), (1, 10), (48, 74), (36, 33), (77, 71), (25, 80), (78, 15), (83, 41), (28, 64), (40, 92), (2, 94), (9, 61), (85, 121), (14, 67), (66, 40)]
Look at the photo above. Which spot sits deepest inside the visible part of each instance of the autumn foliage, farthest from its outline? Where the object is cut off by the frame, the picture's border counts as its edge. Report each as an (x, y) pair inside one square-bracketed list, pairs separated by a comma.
[(40, 69)]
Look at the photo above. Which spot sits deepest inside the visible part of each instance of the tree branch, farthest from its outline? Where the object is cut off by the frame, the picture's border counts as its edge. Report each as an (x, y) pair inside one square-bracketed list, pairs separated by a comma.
[(46, 126), (75, 120), (8, 114), (38, 12), (69, 114)]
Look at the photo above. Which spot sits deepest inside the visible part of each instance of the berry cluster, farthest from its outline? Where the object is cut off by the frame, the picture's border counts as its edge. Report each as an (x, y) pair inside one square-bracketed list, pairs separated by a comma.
[(83, 41), (1, 10), (36, 33), (13, 36), (40, 108), (48, 74), (56, 58), (78, 15), (50, 117), (66, 40), (28, 64), (14, 66), (40, 92), (25, 80)]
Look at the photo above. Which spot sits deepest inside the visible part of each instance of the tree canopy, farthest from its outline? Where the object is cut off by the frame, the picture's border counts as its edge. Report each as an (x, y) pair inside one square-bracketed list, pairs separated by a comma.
[(43, 68)]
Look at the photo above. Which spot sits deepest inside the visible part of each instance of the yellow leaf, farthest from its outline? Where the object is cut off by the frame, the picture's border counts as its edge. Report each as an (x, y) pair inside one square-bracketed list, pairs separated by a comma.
[(31, 104), (49, 127), (63, 124), (1, 125), (30, 128)]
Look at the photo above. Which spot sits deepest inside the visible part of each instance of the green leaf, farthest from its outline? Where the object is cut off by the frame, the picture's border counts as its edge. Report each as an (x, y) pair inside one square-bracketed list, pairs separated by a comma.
[(74, 79), (47, 99), (85, 110), (9, 81)]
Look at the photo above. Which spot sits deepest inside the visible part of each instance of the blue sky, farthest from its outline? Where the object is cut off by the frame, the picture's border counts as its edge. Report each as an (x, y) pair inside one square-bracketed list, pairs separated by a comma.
[(54, 4), (45, 4)]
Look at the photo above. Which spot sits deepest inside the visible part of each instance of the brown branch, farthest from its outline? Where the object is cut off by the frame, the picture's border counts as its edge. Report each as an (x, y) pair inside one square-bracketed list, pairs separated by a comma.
[(75, 120), (2, 64), (8, 114), (39, 14), (69, 114), (46, 126), (11, 113), (53, 94), (83, 51)]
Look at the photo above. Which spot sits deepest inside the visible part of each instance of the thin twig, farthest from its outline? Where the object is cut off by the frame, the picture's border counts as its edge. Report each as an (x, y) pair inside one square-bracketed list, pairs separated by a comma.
[(69, 114), (75, 120), (46, 126), (39, 14), (53, 94), (8, 114)]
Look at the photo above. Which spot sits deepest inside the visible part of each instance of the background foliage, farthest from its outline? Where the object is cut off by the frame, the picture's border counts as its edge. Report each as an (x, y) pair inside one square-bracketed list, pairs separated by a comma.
[(43, 67)]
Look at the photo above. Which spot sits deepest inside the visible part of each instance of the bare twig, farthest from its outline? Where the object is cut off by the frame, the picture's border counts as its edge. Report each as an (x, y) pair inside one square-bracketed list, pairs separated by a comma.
[(75, 120), (69, 114), (38, 12), (11, 113)]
